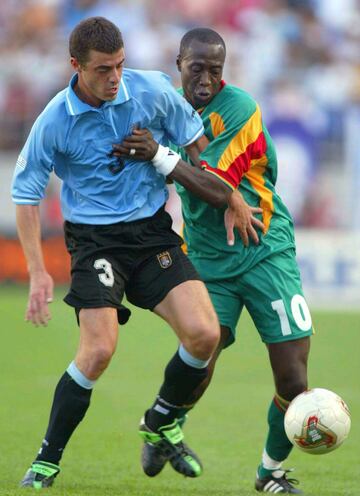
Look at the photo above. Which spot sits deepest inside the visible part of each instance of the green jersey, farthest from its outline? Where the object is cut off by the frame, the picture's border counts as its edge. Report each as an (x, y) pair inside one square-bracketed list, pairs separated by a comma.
[(240, 153)]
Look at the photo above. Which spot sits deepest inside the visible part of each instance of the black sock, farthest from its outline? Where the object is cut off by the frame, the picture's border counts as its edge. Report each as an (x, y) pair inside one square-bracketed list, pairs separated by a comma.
[(179, 383), (68, 409)]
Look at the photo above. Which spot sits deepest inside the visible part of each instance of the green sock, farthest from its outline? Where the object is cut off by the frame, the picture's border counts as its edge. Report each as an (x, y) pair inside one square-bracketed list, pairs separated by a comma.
[(277, 447)]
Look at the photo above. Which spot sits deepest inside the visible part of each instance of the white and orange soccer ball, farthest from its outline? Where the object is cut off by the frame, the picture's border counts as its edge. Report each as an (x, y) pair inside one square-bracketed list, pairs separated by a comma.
[(317, 421)]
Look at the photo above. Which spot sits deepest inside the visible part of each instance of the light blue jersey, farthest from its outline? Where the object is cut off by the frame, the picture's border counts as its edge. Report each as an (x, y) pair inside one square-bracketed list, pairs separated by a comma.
[(75, 140)]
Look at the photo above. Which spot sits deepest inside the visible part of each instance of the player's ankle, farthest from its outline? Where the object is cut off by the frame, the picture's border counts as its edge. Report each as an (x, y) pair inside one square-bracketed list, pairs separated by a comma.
[(264, 472)]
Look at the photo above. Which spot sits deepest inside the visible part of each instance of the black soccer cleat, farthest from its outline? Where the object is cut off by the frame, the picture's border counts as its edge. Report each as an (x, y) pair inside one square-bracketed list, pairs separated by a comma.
[(40, 475), (167, 445), (153, 460), (277, 483)]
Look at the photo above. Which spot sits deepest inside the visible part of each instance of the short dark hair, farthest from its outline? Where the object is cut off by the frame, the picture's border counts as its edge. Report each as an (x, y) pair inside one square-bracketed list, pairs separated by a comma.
[(94, 33), (204, 35)]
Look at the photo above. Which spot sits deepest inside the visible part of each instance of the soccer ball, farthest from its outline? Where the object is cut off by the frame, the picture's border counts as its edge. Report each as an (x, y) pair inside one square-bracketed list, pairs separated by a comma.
[(317, 421)]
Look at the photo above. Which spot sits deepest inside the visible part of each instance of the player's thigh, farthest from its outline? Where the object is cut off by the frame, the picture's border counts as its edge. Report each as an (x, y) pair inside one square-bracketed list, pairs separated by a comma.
[(98, 329), (98, 339), (188, 309), (228, 305), (274, 297)]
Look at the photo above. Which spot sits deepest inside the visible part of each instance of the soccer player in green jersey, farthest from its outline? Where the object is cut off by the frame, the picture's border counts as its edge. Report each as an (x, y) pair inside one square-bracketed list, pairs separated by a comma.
[(264, 278)]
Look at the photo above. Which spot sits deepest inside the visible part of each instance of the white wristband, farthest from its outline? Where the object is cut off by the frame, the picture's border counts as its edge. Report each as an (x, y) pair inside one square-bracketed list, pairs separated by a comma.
[(165, 160)]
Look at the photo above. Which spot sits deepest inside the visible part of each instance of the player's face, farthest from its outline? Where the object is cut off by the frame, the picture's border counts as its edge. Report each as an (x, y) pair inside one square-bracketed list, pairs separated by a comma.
[(201, 67), (99, 78)]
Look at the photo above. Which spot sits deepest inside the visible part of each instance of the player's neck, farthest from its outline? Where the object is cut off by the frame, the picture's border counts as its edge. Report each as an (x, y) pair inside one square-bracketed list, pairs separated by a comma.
[(85, 96)]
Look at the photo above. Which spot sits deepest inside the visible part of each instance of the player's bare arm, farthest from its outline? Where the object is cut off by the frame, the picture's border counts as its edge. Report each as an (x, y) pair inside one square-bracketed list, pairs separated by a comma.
[(141, 146), (41, 283), (194, 149)]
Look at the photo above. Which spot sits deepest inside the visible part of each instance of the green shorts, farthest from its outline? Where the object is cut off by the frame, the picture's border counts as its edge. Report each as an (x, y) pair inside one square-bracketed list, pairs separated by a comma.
[(272, 294)]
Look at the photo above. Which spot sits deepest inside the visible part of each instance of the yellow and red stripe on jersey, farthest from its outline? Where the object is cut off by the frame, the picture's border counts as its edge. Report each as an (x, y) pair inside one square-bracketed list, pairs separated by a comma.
[(256, 178), (249, 143)]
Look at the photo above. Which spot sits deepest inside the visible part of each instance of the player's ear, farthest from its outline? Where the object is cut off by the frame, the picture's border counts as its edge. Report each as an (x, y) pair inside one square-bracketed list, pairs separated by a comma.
[(75, 64), (178, 62)]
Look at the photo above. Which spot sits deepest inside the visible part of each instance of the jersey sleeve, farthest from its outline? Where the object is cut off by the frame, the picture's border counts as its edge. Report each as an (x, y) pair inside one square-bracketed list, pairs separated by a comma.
[(33, 166), (182, 123), (238, 140)]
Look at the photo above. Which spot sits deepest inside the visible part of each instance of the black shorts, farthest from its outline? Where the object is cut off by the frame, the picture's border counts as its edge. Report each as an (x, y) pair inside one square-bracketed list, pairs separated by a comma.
[(142, 259)]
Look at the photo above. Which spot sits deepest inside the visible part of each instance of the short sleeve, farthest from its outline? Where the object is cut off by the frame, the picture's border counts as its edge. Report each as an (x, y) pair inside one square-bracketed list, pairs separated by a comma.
[(34, 165)]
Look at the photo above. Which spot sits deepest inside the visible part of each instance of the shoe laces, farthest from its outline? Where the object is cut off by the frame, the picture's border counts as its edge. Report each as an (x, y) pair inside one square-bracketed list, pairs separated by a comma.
[(181, 448), (282, 475)]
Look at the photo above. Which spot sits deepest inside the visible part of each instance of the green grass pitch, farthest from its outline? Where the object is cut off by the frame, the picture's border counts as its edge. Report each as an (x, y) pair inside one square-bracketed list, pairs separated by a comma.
[(227, 428)]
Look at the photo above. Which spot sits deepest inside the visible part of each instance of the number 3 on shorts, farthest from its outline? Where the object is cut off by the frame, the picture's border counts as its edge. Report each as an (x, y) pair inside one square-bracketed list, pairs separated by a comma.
[(300, 311), (106, 277)]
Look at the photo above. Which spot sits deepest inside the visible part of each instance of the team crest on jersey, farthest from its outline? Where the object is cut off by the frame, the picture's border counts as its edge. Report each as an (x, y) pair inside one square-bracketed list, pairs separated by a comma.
[(165, 259)]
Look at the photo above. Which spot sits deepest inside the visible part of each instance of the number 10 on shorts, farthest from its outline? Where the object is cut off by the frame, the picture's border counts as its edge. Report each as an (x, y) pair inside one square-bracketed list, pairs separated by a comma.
[(300, 312)]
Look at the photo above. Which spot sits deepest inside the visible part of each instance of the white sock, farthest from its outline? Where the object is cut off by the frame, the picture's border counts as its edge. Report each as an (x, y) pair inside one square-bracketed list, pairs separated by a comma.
[(270, 463)]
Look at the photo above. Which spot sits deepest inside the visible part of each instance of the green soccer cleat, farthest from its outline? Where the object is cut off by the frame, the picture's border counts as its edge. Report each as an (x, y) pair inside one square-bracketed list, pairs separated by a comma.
[(40, 474), (167, 445), (277, 483), (152, 458), (182, 420)]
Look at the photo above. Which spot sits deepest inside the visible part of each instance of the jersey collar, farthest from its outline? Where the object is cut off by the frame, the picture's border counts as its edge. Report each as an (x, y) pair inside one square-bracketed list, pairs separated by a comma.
[(75, 106)]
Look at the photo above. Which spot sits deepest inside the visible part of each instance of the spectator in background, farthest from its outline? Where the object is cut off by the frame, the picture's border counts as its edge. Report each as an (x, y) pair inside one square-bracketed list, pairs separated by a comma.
[(312, 45)]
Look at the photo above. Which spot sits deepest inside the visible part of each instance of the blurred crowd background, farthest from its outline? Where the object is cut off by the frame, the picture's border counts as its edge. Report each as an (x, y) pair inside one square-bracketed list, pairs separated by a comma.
[(299, 59)]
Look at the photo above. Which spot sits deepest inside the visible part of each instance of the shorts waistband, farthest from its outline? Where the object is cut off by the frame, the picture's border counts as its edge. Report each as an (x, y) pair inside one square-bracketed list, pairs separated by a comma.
[(99, 227)]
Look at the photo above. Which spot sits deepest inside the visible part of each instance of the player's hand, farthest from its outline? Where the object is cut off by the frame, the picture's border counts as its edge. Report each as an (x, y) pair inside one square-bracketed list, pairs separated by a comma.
[(139, 146), (40, 295), (240, 215)]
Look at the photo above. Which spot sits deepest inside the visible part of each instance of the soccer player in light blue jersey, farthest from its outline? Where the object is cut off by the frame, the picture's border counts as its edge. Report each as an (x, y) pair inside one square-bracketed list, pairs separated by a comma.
[(118, 235)]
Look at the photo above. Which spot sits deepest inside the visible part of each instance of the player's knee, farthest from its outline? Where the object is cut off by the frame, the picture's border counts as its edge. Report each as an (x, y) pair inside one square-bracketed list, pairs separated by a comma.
[(291, 386), (298, 386), (203, 342), (98, 360)]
